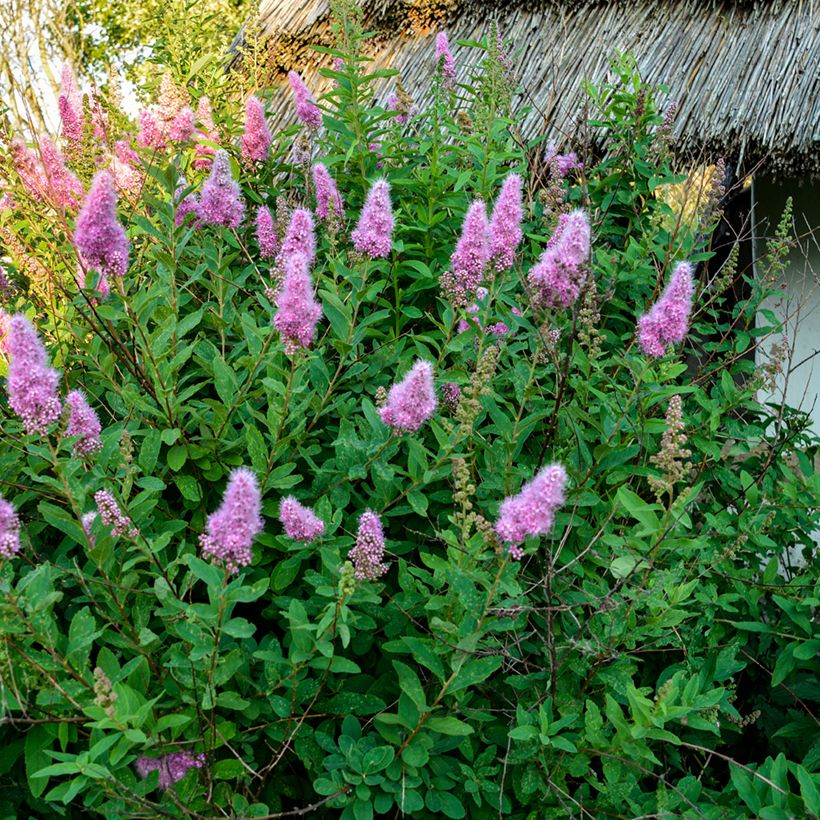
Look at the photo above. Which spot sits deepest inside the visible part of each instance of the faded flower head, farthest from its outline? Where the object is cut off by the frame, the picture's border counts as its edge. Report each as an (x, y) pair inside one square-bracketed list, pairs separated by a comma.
[(9, 529), (257, 139), (300, 522), (83, 422), (171, 768), (470, 257), (450, 394), (373, 235), (112, 516), (220, 202), (411, 401), (306, 108), (667, 321), (532, 511), (327, 194), (298, 312), (671, 457), (232, 528), (32, 384), (266, 236), (505, 224), (367, 554), (99, 237)]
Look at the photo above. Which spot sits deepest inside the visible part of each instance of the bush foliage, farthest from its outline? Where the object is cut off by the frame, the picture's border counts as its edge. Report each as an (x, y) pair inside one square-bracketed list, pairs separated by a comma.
[(649, 657)]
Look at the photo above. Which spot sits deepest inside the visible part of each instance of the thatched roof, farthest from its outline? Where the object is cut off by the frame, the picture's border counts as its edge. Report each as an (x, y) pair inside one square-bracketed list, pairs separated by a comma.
[(746, 73)]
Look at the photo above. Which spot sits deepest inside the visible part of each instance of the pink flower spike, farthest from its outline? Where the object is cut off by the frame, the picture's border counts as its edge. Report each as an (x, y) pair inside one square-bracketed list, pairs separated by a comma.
[(28, 166), (152, 132), (300, 522), (505, 224), (373, 235), (99, 237), (220, 202), (532, 511), (125, 168), (411, 401), (63, 188), (266, 236), (112, 516), (257, 139), (367, 554), (70, 104), (32, 384), (185, 205), (306, 108), (667, 322), (182, 126), (326, 192), (232, 528), (9, 530), (470, 257), (300, 238), (448, 67), (83, 422), (297, 312)]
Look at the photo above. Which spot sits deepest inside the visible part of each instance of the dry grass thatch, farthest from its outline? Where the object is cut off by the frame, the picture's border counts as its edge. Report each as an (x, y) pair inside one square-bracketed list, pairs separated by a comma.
[(746, 73)]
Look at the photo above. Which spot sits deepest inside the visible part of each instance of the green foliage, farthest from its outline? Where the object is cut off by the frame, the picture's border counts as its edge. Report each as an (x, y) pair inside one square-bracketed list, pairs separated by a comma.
[(647, 658)]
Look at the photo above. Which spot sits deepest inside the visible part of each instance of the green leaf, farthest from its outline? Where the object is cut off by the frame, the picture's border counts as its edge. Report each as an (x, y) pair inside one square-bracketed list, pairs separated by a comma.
[(475, 671), (149, 451), (410, 685), (177, 456), (208, 573), (225, 381), (449, 726)]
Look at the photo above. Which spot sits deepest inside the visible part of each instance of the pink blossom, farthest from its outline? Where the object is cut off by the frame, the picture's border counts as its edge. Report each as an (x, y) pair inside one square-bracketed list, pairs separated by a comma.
[(152, 131), (125, 168), (29, 169), (70, 104), (395, 104), (532, 511), (561, 164), (232, 528), (300, 238), (220, 202), (448, 66), (297, 312), (207, 135), (83, 422), (9, 530), (112, 516), (99, 237), (172, 767), (257, 139), (32, 383), (411, 401), (470, 257), (373, 235), (266, 236), (557, 278), (187, 204), (505, 224), (306, 108), (64, 189), (367, 554), (326, 193), (300, 522), (667, 321), (181, 128)]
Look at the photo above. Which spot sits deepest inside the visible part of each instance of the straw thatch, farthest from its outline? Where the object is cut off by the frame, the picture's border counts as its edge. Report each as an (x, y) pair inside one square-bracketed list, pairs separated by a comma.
[(746, 73)]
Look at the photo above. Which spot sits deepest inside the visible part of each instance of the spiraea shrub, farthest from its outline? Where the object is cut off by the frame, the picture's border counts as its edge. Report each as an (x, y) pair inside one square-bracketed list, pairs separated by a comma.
[(390, 464)]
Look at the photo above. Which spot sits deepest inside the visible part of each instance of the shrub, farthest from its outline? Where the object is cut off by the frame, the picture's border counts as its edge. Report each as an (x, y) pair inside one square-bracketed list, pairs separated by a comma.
[(527, 566)]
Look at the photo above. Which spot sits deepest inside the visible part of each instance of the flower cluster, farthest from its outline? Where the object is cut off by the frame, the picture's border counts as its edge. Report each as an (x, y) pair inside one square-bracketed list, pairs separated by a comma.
[(328, 198), (668, 319), (9, 529), (671, 457), (411, 401), (112, 516), (298, 312), (266, 236), (70, 105), (62, 187), (300, 522), (470, 257), (83, 423), (172, 767), (232, 528), (300, 238), (306, 108), (185, 203), (373, 235), (559, 274), (446, 61), (220, 202), (505, 232), (367, 553), (532, 511), (100, 239), (257, 139)]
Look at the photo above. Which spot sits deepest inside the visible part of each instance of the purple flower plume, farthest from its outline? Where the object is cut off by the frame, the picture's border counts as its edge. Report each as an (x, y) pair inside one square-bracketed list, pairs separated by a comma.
[(70, 104), (306, 108), (367, 554), (667, 321), (505, 224), (63, 188), (373, 236), (266, 236), (297, 312), (326, 192), (171, 767), (99, 237), (532, 511), (411, 401), (112, 516), (187, 204), (257, 139), (9, 529), (448, 66), (300, 522), (220, 202), (232, 528), (300, 238), (470, 257), (83, 422), (32, 384), (557, 278)]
